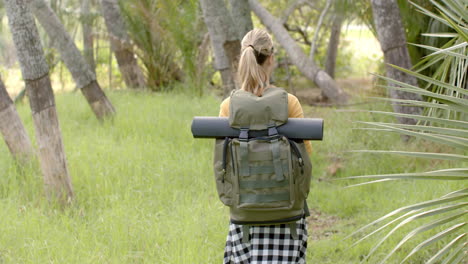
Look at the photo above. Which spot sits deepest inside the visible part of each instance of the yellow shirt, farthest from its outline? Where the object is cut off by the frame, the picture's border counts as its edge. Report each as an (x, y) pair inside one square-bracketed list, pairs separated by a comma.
[(294, 111)]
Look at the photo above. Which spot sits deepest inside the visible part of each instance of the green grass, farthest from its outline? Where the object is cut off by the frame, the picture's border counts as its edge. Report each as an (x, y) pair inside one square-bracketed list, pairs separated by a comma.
[(145, 191)]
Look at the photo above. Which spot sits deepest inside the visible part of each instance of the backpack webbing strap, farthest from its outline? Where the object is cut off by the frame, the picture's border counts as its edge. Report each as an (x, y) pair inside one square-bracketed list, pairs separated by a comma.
[(267, 169), (275, 151), (262, 184), (306, 209), (263, 198), (293, 230), (244, 169), (245, 234)]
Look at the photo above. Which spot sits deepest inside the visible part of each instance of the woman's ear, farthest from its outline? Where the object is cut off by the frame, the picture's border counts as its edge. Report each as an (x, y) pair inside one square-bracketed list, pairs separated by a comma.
[(271, 59), (271, 62)]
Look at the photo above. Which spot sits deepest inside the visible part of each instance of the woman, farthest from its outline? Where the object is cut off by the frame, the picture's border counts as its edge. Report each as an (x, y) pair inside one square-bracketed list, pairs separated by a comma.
[(272, 243)]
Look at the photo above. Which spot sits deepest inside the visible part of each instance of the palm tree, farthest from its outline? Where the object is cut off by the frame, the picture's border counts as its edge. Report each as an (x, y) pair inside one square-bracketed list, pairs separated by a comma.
[(128, 65), (35, 72), (392, 38), (88, 39), (443, 122), (81, 71), (224, 40)]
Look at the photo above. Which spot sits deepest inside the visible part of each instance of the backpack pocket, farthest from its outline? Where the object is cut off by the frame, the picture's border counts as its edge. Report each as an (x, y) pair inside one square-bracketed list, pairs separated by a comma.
[(302, 168), (263, 178), (223, 170)]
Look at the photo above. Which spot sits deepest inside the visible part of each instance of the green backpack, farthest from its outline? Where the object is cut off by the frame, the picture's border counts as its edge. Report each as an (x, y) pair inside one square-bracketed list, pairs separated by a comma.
[(263, 179)]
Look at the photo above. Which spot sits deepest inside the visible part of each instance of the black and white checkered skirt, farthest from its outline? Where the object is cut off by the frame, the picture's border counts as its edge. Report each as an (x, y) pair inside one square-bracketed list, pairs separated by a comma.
[(268, 244)]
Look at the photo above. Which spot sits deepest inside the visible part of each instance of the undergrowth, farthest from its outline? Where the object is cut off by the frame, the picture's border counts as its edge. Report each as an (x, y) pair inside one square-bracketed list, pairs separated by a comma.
[(145, 191)]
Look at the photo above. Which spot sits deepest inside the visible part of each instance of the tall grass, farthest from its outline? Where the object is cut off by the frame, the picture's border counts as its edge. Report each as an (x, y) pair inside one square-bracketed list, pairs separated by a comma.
[(145, 191)]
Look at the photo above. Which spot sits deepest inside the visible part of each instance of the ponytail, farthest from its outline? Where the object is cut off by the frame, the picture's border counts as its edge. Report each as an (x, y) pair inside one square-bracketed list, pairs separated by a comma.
[(257, 47), (252, 75)]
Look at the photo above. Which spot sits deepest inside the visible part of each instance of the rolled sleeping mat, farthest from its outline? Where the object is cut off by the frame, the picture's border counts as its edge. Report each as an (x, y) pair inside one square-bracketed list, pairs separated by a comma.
[(295, 128)]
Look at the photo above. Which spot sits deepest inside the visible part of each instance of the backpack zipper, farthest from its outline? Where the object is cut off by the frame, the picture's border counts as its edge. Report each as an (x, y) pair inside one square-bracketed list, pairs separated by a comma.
[(225, 145), (298, 154)]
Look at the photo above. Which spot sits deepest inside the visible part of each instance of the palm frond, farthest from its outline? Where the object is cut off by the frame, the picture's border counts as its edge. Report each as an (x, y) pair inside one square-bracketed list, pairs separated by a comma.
[(442, 156), (457, 253), (429, 226), (422, 228), (443, 122), (432, 120), (436, 238), (459, 195)]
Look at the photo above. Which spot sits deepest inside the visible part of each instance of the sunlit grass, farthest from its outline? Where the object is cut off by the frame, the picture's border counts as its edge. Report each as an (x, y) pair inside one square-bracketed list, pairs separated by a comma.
[(145, 191)]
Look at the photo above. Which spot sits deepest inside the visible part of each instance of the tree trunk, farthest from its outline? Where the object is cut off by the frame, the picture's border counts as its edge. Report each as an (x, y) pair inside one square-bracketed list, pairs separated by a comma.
[(120, 42), (328, 86), (41, 98), (240, 11), (12, 128), (81, 72), (315, 40), (224, 40), (391, 35), (88, 39), (333, 44)]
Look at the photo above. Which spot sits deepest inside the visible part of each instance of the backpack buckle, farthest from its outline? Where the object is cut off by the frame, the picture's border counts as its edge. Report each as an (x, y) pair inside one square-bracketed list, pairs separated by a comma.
[(272, 131), (244, 134)]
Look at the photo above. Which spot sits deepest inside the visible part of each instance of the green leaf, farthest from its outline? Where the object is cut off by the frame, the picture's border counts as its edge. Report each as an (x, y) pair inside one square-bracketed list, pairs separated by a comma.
[(458, 7), (451, 100), (431, 14), (455, 47), (420, 229), (452, 258), (443, 156), (455, 26), (440, 35), (429, 61), (418, 103), (447, 174), (384, 226), (446, 249), (454, 197), (432, 80), (453, 123), (435, 138), (427, 227), (439, 130), (434, 239), (440, 51), (455, 193), (369, 182), (446, 12)]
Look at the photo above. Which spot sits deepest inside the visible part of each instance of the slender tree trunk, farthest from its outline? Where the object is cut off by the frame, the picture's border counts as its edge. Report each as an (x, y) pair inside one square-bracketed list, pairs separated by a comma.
[(313, 46), (131, 71), (240, 11), (391, 35), (333, 44), (84, 77), (224, 40), (329, 87), (12, 128), (88, 39), (41, 98)]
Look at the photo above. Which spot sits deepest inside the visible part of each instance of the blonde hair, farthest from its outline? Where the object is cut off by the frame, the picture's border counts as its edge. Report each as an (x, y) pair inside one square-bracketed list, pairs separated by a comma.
[(257, 47)]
